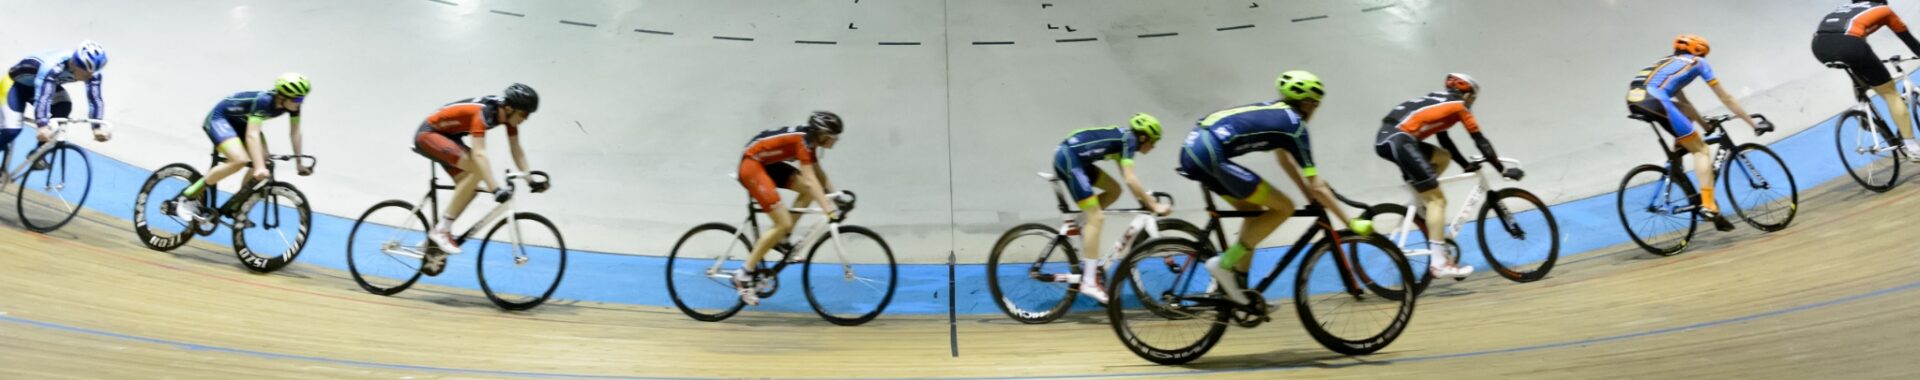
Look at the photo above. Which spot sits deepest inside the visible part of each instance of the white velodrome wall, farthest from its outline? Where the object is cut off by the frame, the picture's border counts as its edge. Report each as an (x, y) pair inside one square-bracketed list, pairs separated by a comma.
[(640, 129)]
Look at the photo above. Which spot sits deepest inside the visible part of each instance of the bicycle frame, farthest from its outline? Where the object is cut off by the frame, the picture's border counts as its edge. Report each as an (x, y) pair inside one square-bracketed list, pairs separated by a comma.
[(431, 202), (1885, 135), (1481, 191), (247, 187), (59, 126), (819, 230), (1721, 144), (1143, 220), (1322, 224)]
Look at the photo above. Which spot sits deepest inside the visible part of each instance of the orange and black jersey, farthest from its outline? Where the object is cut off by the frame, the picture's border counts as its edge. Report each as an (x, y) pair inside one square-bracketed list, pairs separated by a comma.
[(467, 117), (780, 145), (1860, 20), (1424, 116)]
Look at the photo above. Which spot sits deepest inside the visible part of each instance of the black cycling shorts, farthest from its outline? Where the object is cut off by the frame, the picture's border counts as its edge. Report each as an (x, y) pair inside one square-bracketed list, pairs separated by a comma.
[(1856, 53), (1410, 155)]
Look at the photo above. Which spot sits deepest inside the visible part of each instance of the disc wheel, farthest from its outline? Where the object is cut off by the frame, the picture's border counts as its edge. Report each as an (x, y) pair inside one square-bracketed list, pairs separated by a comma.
[(278, 220), (153, 220)]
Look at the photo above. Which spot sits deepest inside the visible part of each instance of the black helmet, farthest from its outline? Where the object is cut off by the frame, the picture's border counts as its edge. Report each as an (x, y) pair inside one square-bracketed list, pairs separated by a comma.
[(521, 97), (824, 121)]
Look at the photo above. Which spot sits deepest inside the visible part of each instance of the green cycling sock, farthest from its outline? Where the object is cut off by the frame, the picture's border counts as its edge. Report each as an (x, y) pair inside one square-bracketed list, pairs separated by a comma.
[(194, 189), (1233, 255)]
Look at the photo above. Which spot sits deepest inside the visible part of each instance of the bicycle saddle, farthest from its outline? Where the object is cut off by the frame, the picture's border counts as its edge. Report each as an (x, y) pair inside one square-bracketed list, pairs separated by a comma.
[(1640, 117), (1837, 65)]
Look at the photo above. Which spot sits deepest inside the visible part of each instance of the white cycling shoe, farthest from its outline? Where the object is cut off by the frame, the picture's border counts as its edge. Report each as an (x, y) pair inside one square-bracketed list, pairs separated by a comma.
[(1455, 271), (1912, 148), (1228, 280)]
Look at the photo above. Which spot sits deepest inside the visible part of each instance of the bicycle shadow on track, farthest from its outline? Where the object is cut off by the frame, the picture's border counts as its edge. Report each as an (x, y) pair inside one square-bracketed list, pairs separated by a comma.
[(1290, 357)]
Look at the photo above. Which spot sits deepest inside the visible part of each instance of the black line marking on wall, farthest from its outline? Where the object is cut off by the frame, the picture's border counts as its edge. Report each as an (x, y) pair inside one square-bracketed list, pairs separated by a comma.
[(993, 42), (577, 23), (806, 42), (501, 12), (897, 43), (1309, 18), (659, 32), (445, 2), (1065, 40), (1158, 35), (732, 38), (1237, 27), (1380, 7)]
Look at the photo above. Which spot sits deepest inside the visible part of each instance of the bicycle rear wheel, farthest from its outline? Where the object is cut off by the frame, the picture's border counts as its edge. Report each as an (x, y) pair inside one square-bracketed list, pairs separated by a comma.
[(1655, 211), (384, 249), (854, 278), (153, 222), (527, 263), (699, 271), (278, 220), (1760, 188), (1526, 239), (1027, 271), (1178, 264), (1191, 318), (59, 191), (1339, 311), (1870, 159)]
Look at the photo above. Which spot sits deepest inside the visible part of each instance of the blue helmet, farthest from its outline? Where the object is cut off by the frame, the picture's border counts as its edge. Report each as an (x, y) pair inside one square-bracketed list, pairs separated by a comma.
[(90, 56)]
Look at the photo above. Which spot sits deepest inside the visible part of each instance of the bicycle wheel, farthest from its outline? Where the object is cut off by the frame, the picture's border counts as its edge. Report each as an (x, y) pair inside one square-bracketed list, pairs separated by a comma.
[(1869, 158), (1387, 218), (856, 276), (1526, 238), (1188, 326), (699, 271), (1760, 187), (153, 222), (1339, 312), (60, 190), (1655, 210), (1026, 273), (527, 264), (1178, 264), (277, 221), (384, 249)]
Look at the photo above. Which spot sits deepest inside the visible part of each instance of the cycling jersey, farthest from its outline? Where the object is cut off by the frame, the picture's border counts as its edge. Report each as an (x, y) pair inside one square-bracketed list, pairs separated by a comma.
[(38, 78), (1860, 20), (1424, 116), (239, 110), (1261, 127), (1110, 142), (779, 145), (1667, 76), (468, 117)]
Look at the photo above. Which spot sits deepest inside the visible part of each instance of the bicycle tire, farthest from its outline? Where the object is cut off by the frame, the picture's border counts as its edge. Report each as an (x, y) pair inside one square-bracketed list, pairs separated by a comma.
[(143, 227), (1647, 238), (539, 295), (1768, 157), (854, 315), (1510, 268), (376, 255), (1169, 227), (1203, 330), (244, 250), (1423, 276), (67, 208), (1875, 172), (1368, 341), (675, 260), (1045, 308)]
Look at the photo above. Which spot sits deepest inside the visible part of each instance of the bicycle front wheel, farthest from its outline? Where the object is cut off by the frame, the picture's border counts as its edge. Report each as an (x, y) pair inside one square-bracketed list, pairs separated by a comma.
[(1525, 241), (529, 259), (850, 278), (1655, 211), (1027, 274), (153, 222), (1387, 219), (699, 271), (1760, 188), (1869, 158), (277, 220), (385, 247), (1339, 311), (1185, 319), (59, 190)]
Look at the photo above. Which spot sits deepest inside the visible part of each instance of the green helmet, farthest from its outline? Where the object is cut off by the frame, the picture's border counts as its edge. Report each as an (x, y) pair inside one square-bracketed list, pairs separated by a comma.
[(292, 85), (1147, 125), (1299, 85)]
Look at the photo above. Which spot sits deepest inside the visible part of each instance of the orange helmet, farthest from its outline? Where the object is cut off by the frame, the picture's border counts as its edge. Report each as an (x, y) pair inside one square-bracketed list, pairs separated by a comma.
[(1691, 44)]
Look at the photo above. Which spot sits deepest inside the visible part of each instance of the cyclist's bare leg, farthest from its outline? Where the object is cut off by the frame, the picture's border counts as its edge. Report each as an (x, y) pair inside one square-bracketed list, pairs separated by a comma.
[(1435, 201), (1703, 164), (237, 159), (1896, 108), (782, 218), (1109, 189), (465, 187), (1278, 209)]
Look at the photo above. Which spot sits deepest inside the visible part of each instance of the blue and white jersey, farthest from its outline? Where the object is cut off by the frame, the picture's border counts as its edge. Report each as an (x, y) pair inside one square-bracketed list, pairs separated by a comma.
[(43, 74)]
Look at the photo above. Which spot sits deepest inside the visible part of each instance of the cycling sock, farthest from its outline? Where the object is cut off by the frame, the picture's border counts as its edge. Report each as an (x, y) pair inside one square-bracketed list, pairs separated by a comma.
[(1233, 255), (1706, 199), (1087, 270), (446, 223), (194, 189)]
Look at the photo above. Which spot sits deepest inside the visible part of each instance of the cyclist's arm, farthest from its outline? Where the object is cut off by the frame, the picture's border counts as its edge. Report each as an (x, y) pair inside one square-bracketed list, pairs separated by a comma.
[(1446, 142), (481, 165), (1480, 140), (1312, 186), (256, 149), (1133, 185), (293, 133), (96, 104), (1899, 28), (43, 100), (826, 185), (519, 156), (1732, 105), (810, 175)]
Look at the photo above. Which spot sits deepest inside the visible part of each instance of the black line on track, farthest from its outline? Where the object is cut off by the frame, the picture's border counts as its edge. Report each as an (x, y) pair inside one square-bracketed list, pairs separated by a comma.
[(899, 44), (1380, 7), (1237, 27), (806, 42), (445, 2), (993, 42), (1158, 35), (733, 38), (577, 23), (501, 12), (663, 33), (1309, 18), (1065, 40)]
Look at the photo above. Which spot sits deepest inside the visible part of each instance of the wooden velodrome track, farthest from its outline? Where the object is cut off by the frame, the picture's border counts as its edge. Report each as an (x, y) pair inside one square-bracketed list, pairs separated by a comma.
[(1834, 296)]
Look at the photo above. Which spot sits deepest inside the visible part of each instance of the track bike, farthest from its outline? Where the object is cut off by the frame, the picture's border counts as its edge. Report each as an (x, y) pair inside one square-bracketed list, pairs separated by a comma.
[(847, 271), (1034, 271), (1869, 146), (1660, 208), (521, 259), (57, 168), (1522, 246), (279, 210)]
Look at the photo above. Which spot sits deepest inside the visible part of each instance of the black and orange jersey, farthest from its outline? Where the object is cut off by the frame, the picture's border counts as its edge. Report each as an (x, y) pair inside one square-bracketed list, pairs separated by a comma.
[(1424, 116), (468, 117), (1860, 20), (780, 145)]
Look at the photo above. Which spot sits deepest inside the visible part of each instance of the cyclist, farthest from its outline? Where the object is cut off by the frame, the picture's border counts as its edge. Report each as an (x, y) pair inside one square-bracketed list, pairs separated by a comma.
[(1842, 37), (1655, 94), (37, 80), (1278, 126), (439, 140), (1073, 163), (1400, 141), (765, 165), (246, 148)]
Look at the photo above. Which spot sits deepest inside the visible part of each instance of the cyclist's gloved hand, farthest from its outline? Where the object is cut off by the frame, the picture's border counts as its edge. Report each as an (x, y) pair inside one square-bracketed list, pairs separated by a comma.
[(502, 194), (1514, 174), (1762, 128), (1471, 167), (102, 135), (540, 187), (1361, 226)]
